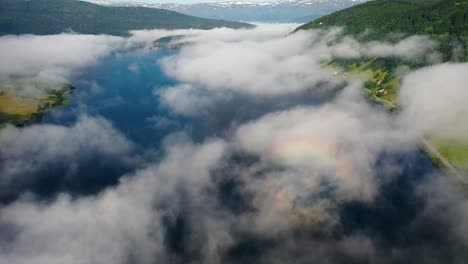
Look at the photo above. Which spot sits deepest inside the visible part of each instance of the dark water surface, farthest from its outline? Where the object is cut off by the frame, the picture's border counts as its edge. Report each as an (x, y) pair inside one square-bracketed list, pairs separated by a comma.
[(121, 89)]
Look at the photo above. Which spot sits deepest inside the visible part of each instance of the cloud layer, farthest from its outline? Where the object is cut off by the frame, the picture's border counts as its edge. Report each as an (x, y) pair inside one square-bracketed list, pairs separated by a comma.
[(259, 63), (292, 164), (34, 154), (433, 101), (49, 59)]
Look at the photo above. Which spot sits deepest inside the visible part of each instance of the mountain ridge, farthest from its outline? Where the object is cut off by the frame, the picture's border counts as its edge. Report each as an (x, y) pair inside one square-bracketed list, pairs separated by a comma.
[(44, 17), (245, 10), (446, 21)]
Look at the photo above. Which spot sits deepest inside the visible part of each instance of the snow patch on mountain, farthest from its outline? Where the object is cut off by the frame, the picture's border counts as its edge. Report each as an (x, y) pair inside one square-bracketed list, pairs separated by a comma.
[(261, 11)]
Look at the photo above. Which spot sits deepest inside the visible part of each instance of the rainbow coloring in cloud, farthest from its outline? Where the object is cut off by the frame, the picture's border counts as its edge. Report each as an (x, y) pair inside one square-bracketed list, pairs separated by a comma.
[(311, 153)]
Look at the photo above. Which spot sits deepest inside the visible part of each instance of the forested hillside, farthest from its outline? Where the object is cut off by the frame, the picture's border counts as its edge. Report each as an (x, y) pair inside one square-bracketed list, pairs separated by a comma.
[(55, 16), (445, 20)]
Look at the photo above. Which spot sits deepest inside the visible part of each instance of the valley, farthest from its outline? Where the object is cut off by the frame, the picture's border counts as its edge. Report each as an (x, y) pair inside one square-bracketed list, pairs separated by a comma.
[(136, 133)]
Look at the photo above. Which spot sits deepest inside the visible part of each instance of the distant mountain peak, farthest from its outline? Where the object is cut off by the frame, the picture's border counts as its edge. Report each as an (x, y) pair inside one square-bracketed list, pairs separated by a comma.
[(248, 10)]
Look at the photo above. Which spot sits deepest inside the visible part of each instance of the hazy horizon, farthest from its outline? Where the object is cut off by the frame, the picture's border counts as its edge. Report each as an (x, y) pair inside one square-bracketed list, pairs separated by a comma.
[(178, 1)]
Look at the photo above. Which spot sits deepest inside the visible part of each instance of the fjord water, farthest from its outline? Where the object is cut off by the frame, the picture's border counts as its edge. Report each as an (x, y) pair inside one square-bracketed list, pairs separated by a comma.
[(121, 88)]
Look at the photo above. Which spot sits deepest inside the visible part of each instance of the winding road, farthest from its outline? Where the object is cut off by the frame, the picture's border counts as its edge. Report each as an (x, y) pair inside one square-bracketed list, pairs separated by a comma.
[(446, 163), (449, 166)]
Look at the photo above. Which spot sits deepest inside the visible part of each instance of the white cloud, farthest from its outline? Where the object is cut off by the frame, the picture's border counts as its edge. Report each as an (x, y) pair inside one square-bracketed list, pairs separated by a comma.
[(271, 66), (52, 58), (338, 142), (261, 32), (414, 47), (260, 63), (434, 103), (122, 224), (295, 165), (26, 150)]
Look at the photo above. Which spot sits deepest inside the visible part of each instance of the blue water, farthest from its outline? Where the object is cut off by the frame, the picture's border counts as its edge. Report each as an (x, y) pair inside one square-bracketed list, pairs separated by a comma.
[(121, 89)]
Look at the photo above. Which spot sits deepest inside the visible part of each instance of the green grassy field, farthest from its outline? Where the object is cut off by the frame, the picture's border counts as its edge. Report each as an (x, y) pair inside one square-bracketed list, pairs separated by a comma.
[(456, 151), (381, 83), (21, 110), (457, 155)]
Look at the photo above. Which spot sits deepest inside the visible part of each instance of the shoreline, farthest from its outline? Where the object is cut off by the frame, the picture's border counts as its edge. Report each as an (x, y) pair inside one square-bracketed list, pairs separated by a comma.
[(55, 98)]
